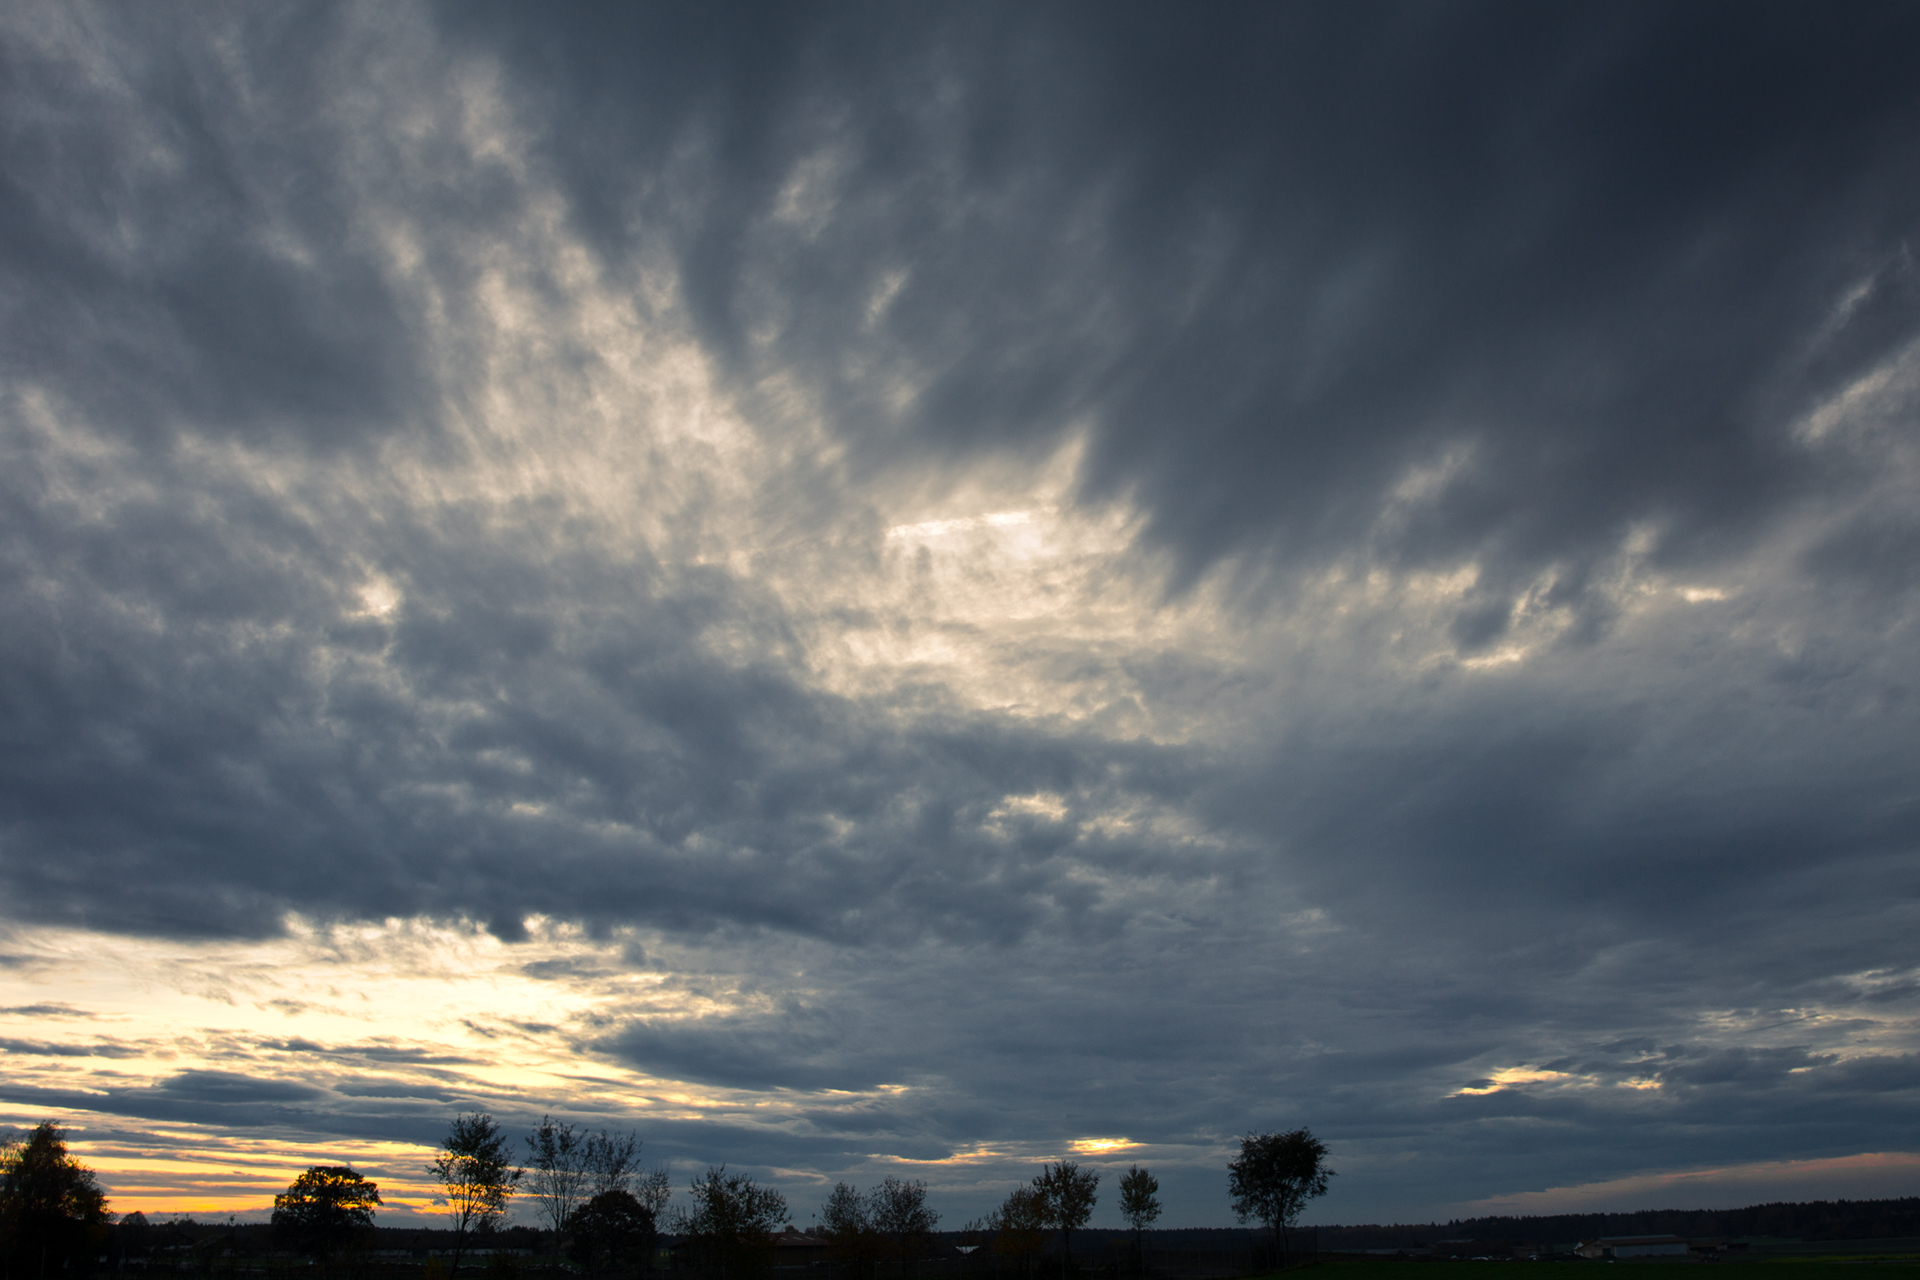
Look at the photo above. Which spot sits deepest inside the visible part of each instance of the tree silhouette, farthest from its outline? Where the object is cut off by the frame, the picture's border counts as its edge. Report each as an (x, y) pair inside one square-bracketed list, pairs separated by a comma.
[(731, 1222), (899, 1212), (654, 1190), (324, 1209), (612, 1161), (134, 1235), (1139, 1205), (51, 1208), (1275, 1176), (1019, 1225), (476, 1170), (849, 1226), (559, 1169), (610, 1226), (1067, 1195)]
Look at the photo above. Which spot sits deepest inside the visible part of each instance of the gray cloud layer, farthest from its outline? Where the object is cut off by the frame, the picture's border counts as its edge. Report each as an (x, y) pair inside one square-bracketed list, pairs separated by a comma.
[(1278, 257), (1575, 307)]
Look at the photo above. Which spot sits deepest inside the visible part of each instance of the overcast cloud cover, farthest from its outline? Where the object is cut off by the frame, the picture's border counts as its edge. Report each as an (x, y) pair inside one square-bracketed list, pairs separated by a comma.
[(901, 588)]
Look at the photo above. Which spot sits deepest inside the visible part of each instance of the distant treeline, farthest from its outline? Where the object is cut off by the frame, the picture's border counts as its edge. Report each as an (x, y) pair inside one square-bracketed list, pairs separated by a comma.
[(257, 1237), (1809, 1220)]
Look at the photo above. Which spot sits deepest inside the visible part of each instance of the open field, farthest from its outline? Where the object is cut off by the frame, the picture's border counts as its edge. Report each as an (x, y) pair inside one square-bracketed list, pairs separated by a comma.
[(1781, 1267)]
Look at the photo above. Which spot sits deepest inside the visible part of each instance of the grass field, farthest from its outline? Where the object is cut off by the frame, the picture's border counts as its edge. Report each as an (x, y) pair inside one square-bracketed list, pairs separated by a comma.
[(1772, 1268)]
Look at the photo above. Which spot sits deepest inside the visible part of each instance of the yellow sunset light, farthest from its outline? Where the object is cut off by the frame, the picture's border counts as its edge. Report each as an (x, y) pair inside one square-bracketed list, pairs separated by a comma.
[(1101, 1146)]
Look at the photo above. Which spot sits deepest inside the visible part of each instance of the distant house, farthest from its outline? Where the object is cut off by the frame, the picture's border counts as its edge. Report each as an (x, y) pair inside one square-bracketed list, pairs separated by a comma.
[(1632, 1247), (793, 1248)]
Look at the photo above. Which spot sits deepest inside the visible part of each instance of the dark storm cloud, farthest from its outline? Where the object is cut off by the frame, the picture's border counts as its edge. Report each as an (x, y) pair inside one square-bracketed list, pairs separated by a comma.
[(1307, 249), (1048, 1072), (227, 1088), (200, 1097), (803, 1049), (174, 259), (262, 1110), (533, 675), (1278, 257), (1327, 289)]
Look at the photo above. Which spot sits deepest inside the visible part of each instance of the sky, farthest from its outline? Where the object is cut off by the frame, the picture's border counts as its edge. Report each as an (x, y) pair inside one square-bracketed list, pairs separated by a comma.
[(916, 590)]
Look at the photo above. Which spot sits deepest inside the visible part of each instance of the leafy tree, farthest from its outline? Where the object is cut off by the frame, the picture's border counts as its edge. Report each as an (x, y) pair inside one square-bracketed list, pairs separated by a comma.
[(892, 1219), (611, 1226), (1275, 1176), (475, 1167), (51, 1207), (845, 1212), (1019, 1225), (898, 1211), (731, 1222), (1139, 1205), (324, 1209), (848, 1222), (1067, 1195), (559, 1174)]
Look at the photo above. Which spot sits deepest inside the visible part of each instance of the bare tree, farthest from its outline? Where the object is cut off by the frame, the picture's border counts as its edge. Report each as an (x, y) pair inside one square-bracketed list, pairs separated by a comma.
[(477, 1173), (612, 1222), (654, 1191), (1275, 1176), (558, 1174), (612, 1161), (1068, 1196)]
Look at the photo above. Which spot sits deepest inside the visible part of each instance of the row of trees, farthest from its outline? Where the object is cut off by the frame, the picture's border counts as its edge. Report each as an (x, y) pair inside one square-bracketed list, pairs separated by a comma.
[(580, 1181), (890, 1222), (603, 1210), (581, 1184), (595, 1200), (1061, 1197), (588, 1187), (1271, 1182)]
